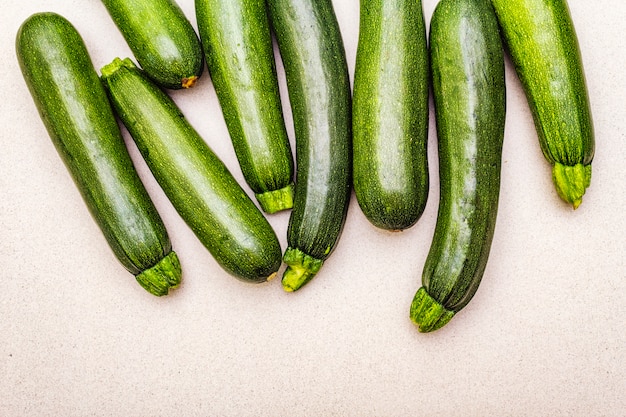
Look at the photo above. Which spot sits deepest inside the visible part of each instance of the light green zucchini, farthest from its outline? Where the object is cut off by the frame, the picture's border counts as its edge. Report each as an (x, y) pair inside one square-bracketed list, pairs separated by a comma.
[(542, 41)]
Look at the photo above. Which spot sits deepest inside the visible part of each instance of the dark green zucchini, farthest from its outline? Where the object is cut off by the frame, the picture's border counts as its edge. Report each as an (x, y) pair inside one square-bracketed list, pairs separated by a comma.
[(390, 113), (198, 184), (238, 45), (161, 38), (541, 39), (313, 55), (467, 64), (76, 112)]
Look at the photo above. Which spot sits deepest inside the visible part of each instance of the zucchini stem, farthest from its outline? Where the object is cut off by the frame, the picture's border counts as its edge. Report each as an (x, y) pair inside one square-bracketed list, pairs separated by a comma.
[(427, 313), (571, 182), (301, 268), (117, 63), (276, 200), (163, 276)]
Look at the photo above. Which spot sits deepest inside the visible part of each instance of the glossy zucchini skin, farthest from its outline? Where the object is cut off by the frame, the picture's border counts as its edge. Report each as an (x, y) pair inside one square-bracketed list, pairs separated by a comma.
[(237, 41), (390, 113), (161, 39), (198, 184), (467, 63), (543, 45), (312, 52), (74, 107)]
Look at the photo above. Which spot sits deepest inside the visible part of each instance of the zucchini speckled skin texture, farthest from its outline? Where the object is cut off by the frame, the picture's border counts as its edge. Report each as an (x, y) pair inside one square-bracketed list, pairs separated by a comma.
[(541, 39), (390, 113), (195, 180), (238, 45), (315, 64), (161, 38), (76, 112), (467, 62)]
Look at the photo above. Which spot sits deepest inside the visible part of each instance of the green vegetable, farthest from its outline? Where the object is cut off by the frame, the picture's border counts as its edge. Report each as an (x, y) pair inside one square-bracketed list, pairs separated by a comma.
[(161, 38), (74, 108), (542, 42), (195, 180), (467, 64), (238, 45), (313, 55), (390, 113)]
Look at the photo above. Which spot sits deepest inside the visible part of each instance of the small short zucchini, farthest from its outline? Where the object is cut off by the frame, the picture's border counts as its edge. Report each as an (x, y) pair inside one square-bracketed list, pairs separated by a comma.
[(76, 112), (312, 52), (390, 113), (237, 40), (161, 38), (467, 64), (195, 180), (544, 48)]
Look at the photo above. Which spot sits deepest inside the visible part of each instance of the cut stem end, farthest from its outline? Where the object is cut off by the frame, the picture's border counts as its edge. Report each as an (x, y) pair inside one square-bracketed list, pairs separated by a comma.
[(427, 313), (301, 268), (277, 200), (163, 276), (571, 182)]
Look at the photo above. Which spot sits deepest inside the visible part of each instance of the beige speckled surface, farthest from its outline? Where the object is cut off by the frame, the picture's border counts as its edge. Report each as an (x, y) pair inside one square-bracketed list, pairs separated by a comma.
[(544, 335)]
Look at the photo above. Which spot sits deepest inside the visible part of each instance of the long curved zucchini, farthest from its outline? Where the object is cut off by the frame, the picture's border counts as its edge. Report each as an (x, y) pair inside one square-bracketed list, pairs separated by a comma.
[(467, 62), (313, 55), (76, 112), (198, 184), (544, 48), (161, 38), (390, 113), (238, 46)]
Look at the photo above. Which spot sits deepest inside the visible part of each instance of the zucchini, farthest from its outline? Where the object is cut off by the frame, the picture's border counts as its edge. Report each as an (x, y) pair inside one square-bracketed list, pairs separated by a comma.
[(467, 64), (313, 56), (195, 180), (238, 46), (161, 39), (74, 107), (542, 42), (390, 113)]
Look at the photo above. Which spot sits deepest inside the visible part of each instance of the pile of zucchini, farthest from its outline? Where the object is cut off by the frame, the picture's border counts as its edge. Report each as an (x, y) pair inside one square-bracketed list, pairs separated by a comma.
[(374, 143)]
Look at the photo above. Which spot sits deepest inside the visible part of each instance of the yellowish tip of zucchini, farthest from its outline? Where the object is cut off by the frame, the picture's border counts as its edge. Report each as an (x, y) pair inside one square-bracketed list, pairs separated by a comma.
[(571, 182), (294, 278), (427, 313), (286, 286), (189, 82)]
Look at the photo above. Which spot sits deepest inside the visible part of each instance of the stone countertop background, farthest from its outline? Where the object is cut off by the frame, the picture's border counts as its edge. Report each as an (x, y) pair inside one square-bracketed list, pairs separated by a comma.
[(544, 335)]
